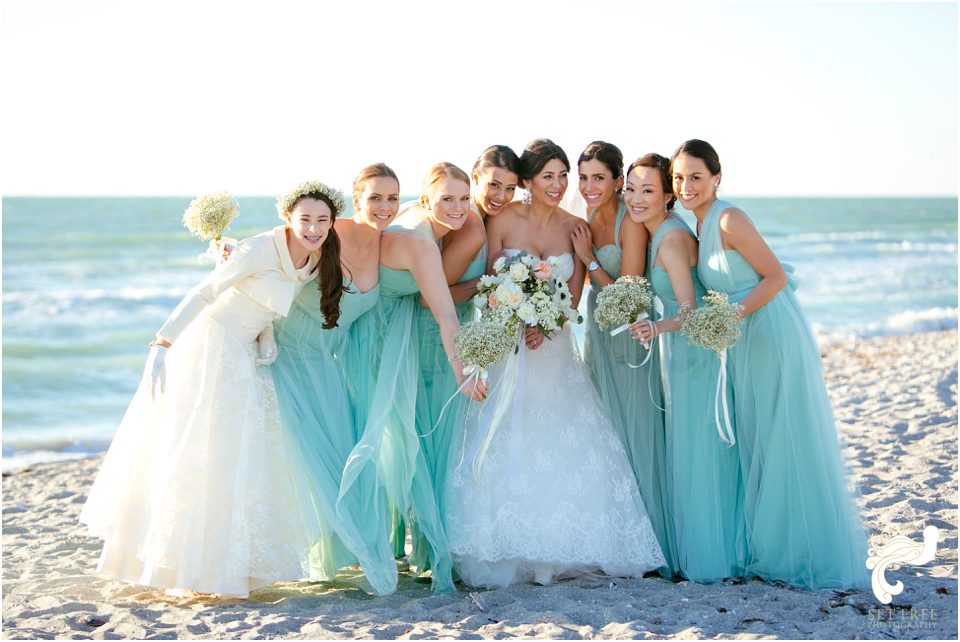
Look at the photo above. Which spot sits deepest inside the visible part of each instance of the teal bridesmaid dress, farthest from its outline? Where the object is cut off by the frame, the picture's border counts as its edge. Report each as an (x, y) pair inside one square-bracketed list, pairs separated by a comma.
[(702, 471), (319, 405), (390, 444), (631, 397), (801, 525), (438, 386), (362, 356)]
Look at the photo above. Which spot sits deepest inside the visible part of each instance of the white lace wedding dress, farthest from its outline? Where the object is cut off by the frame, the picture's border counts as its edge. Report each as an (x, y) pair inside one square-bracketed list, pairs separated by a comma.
[(196, 491), (555, 495)]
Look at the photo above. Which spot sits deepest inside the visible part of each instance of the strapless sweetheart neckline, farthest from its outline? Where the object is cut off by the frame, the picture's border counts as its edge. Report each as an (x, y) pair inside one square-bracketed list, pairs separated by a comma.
[(536, 256)]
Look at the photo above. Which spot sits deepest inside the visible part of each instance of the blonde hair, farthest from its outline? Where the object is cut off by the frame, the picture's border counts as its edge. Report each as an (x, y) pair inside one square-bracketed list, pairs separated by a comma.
[(440, 172), (370, 171)]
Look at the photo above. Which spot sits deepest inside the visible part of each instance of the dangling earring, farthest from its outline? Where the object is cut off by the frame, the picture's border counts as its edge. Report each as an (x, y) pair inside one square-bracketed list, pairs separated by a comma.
[(527, 196)]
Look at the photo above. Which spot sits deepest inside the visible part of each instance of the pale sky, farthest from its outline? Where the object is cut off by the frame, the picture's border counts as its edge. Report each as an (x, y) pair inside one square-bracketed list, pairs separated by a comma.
[(151, 98)]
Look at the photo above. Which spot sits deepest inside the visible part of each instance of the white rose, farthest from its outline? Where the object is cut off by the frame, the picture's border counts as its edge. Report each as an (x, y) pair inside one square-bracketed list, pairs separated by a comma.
[(519, 272), (480, 301), (526, 259), (499, 264), (527, 313), (539, 298), (487, 280), (509, 294)]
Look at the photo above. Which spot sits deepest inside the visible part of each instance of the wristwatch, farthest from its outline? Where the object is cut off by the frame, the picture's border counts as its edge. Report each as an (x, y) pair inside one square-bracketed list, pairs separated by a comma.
[(593, 265)]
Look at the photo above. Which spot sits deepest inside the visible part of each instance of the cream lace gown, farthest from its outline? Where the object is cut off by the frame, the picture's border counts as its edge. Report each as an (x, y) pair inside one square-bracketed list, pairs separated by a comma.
[(196, 490), (555, 494)]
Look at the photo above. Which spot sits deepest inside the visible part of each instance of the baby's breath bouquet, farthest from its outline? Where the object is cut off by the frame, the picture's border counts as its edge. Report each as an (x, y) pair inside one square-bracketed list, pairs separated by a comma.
[(625, 301), (526, 290), (207, 217), (480, 344), (483, 343), (716, 326)]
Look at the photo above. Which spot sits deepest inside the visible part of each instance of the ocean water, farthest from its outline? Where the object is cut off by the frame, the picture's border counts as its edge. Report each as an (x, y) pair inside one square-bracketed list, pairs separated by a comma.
[(87, 281)]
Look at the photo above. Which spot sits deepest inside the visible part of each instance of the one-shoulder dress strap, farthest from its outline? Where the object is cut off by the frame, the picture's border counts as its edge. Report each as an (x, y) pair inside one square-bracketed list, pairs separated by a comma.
[(672, 222), (713, 259), (621, 212), (710, 227)]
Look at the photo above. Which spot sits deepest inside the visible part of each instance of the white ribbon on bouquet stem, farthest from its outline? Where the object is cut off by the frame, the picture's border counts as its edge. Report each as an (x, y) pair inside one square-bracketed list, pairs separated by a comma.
[(720, 398), (643, 316), (473, 373), (503, 396)]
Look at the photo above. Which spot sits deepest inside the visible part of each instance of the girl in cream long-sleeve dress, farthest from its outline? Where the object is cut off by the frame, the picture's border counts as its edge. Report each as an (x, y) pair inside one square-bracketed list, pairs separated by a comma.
[(196, 492)]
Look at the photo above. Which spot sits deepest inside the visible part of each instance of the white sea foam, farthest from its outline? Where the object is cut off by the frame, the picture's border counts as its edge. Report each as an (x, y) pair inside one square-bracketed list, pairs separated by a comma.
[(94, 294), (53, 446), (907, 322), (829, 237), (917, 246), (26, 459)]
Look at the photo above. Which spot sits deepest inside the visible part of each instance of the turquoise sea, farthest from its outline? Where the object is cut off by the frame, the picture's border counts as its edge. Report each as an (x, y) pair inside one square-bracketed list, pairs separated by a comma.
[(87, 281)]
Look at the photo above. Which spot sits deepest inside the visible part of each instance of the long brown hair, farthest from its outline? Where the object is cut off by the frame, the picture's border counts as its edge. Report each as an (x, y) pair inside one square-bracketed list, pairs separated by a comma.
[(330, 279), (330, 273)]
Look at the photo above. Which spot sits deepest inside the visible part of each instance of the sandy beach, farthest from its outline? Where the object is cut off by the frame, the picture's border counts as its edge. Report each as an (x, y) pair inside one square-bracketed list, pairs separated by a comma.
[(895, 400)]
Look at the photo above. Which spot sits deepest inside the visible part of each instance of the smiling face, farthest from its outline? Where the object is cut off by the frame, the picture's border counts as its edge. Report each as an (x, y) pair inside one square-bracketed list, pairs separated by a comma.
[(597, 185), (644, 194), (493, 188), (693, 183), (310, 221), (378, 203), (550, 184), (449, 202)]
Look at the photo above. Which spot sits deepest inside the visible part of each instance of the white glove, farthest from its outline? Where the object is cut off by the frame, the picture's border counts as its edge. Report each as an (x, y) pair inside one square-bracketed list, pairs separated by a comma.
[(217, 251), (154, 370), (267, 347)]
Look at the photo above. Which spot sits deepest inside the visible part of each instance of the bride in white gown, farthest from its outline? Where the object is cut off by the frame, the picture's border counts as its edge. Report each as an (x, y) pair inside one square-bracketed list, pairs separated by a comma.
[(555, 495)]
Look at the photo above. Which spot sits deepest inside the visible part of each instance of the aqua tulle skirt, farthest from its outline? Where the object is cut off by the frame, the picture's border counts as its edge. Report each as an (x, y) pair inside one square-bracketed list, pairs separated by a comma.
[(441, 410), (703, 472), (390, 446), (800, 523), (317, 405)]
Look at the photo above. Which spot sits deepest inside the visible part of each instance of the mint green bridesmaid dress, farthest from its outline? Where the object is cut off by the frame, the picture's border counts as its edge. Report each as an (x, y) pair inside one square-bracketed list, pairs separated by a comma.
[(438, 386), (390, 443), (702, 471), (631, 397), (319, 406), (800, 522)]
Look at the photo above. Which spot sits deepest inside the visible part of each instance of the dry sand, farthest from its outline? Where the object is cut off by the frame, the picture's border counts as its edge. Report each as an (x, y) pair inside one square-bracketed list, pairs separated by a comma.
[(896, 406)]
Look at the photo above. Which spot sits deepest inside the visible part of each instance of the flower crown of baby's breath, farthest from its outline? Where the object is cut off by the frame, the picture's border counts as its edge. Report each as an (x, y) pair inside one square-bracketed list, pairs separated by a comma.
[(286, 202)]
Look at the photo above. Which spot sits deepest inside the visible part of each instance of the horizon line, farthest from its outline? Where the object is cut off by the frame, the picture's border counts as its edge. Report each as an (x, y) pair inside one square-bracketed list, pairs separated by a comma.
[(191, 196)]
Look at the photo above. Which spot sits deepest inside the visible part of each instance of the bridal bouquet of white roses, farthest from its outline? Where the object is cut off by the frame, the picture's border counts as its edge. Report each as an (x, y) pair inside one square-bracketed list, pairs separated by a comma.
[(525, 290)]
